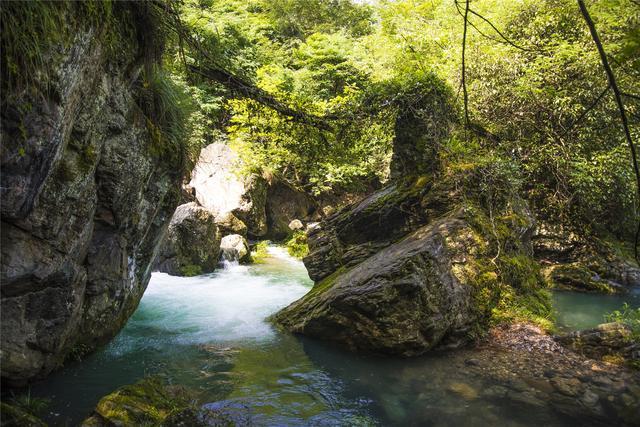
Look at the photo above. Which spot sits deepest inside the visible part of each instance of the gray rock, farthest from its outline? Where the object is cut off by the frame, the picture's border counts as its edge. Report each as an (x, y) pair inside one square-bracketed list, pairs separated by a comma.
[(405, 299), (234, 247), (607, 339), (228, 223), (86, 199), (192, 245)]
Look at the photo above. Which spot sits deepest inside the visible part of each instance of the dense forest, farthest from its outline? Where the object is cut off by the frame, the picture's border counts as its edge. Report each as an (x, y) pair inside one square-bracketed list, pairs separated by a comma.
[(457, 178)]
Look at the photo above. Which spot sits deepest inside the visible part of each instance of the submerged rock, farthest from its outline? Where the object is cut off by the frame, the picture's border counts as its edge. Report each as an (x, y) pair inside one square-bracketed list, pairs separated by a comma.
[(192, 245), (88, 190), (220, 188), (234, 247)]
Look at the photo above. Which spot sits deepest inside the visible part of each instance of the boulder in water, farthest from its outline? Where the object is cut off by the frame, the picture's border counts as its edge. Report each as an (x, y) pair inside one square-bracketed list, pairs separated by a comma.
[(219, 188), (234, 247), (407, 280), (192, 245), (228, 223)]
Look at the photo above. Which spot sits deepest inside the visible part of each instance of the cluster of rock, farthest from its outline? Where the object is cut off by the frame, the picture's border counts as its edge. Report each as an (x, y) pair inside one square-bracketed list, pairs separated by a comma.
[(571, 260), (226, 210)]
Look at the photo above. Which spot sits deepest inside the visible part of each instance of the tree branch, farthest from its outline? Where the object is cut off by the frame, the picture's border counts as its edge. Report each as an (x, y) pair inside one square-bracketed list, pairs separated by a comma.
[(618, 97)]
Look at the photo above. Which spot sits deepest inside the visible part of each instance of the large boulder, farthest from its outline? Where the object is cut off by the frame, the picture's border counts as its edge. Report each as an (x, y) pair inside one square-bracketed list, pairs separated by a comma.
[(192, 245), (88, 190), (411, 268), (284, 205), (220, 188)]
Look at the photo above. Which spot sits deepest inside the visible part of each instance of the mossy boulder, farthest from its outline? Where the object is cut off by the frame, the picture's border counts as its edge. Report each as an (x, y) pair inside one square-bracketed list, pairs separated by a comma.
[(610, 342), (417, 266), (14, 416), (582, 261), (192, 245), (147, 402), (576, 276)]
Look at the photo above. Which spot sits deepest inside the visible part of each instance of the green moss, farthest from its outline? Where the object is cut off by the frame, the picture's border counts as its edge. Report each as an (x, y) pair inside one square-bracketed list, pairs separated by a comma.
[(147, 402), (297, 245), (325, 284), (578, 277), (191, 270), (78, 352), (260, 252), (14, 415)]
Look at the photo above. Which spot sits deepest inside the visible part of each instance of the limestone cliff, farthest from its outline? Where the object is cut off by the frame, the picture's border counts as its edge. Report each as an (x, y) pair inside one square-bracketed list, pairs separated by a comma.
[(89, 182)]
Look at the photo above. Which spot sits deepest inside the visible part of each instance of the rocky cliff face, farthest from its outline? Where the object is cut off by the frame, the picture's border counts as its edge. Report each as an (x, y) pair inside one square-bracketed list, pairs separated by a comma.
[(86, 197)]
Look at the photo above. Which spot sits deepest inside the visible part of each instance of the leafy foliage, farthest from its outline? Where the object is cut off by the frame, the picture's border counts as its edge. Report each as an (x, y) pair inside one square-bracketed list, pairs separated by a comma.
[(628, 316)]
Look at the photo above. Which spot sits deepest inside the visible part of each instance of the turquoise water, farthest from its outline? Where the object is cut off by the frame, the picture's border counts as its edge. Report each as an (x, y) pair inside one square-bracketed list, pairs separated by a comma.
[(576, 310), (209, 334)]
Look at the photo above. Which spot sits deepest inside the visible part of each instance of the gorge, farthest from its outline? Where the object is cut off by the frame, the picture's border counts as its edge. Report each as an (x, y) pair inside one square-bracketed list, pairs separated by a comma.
[(280, 213)]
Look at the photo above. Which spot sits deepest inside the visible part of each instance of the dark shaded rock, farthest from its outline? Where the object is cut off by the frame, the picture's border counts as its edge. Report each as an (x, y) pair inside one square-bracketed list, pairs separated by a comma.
[(284, 204), (192, 245), (14, 416), (87, 194), (575, 276), (403, 300), (582, 262), (362, 229), (229, 224), (407, 270)]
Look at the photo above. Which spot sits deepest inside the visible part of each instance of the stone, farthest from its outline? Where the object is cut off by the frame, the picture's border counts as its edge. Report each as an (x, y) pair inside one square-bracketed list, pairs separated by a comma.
[(87, 195), (582, 262), (606, 340), (147, 402), (296, 225), (567, 386), (228, 223), (234, 247), (221, 188), (284, 205), (13, 415), (463, 390), (192, 245), (402, 300)]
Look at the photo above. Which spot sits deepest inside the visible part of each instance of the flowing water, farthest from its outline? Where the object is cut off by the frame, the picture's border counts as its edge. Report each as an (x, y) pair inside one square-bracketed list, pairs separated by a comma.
[(209, 333)]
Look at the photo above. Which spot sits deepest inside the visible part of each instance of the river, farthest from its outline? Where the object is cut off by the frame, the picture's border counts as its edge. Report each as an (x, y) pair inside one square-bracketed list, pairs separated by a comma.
[(209, 333)]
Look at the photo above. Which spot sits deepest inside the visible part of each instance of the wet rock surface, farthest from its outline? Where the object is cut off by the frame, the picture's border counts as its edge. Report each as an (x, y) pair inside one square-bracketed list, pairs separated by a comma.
[(397, 273), (192, 245), (285, 204), (234, 247)]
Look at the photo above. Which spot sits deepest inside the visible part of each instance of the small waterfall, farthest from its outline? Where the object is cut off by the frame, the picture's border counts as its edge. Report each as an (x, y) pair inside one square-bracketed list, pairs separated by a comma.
[(229, 258)]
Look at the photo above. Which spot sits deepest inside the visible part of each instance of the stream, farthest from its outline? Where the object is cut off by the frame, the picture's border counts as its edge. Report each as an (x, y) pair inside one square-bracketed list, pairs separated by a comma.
[(209, 333)]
